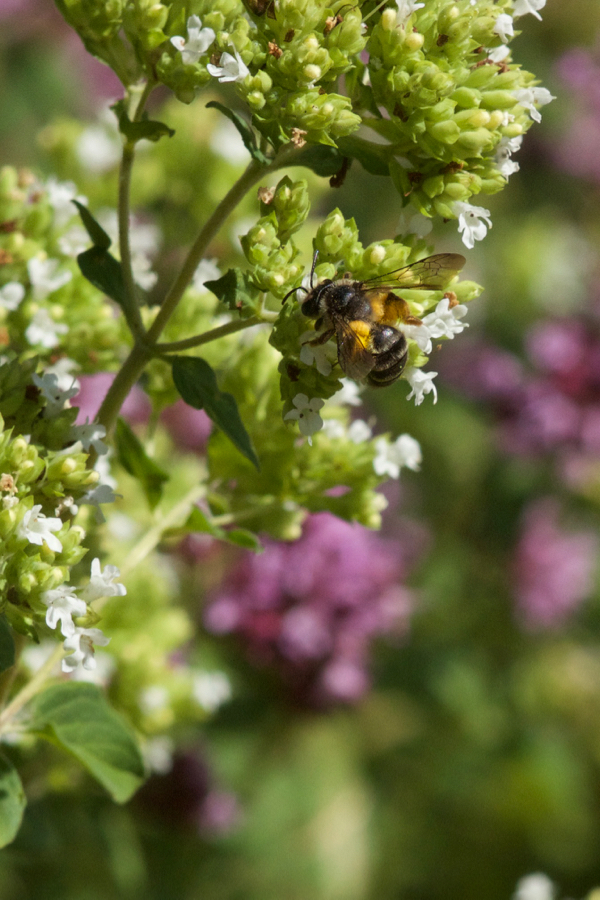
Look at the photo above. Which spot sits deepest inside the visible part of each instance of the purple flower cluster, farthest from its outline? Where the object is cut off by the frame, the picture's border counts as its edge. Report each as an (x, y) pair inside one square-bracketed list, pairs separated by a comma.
[(577, 151), (554, 568), (551, 408), (310, 608)]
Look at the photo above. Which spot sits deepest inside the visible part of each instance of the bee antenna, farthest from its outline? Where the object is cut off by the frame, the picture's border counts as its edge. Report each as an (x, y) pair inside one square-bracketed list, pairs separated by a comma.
[(314, 265), (300, 287)]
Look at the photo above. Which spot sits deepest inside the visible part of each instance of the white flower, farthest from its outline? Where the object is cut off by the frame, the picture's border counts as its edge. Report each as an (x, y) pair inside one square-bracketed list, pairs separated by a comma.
[(534, 887), (158, 754), (445, 320), (421, 383), (226, 142), (43, 277), (102, 583), (405, 9), (90, 434), (102, 493), (62, 369), (198, 42), (349, 393), (11, 295), (74, 241), (333, 428), (144, 240), (503, 160), (359, 432), (390, 458), (38, 528), (306, 414), (232, 68), (529, 98), (207, 270), (321, 355), (499, 54), (503, 27), (101, 674), (60, 196), (523, 7), (98, 150), (81, 642), (52, 393), (421, 335), (469, 222), (103, 469), (154, 698), (141, 268), (414, 223), (211, 690), (43, 331), (62, 605)]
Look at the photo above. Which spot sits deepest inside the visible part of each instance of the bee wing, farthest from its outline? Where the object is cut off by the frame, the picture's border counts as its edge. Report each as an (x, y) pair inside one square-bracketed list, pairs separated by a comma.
[(430, 274), (353, 354)]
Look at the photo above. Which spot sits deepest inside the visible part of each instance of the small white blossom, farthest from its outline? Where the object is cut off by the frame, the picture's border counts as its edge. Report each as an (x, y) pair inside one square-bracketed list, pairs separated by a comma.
[(11, 295), (158, 754), (405, 9), (359, 432), (74, 241), (306, 414), (102, 493), (390, 458), (421, 335), (421, 383), (101, 674), (102, 467), (60, 196), (81, 643), (143, 275), (499, 54), (52, 393), (43, 277), (154, 698), (470, 222), (231, 68), (349, 393), (8, 502), (414, 223), (334, 429), (207, 270), (43, 331), (98, 150), (505, 148), (535, 887), (211, 690), (63, 604), (62, 369), (198, 42), (89, 434), (445, 321), (102, 583), (531, 98), (503, 27), (523, 7), (38, 528), (144, 240), (321, 355), (227, 143)]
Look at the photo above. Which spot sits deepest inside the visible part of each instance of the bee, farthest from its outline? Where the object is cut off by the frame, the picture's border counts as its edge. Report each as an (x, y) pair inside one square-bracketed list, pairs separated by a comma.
[(362, 315)]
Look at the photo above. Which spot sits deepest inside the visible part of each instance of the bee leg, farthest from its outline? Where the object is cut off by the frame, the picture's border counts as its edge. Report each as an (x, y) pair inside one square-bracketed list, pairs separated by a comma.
[(322, 338), (396, 308)]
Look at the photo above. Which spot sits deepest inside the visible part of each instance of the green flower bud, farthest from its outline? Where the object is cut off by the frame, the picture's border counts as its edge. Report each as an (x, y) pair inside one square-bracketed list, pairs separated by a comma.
[(291, 204), (336, 237)]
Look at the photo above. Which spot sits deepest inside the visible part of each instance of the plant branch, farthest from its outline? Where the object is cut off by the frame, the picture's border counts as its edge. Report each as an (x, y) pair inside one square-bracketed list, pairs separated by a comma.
[(32, 688), (208, 336)]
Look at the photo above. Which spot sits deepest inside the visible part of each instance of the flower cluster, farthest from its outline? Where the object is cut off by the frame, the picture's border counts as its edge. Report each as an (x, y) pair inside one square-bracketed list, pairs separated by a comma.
[(576, 150), (311, 608)]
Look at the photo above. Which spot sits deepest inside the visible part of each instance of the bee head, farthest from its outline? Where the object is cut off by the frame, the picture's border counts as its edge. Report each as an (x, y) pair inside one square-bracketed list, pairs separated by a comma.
[(312, 305)]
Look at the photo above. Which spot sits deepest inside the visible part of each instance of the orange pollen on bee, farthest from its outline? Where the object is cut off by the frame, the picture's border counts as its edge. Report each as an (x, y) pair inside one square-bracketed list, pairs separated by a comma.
[(361, 329)]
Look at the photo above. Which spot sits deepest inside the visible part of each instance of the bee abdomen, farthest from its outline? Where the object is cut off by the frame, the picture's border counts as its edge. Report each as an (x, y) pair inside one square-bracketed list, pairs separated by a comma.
[(390, 351)]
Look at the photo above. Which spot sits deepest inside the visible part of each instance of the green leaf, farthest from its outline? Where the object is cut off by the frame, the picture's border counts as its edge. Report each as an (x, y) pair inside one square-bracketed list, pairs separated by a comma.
[(136, 131), (136, 461), (197, 384), (96, 232), (7, 645), (77, 717), (198, 522), (321, 159), (236, 291), (104, 272), (12, 801), (246, 132), (372, 157)]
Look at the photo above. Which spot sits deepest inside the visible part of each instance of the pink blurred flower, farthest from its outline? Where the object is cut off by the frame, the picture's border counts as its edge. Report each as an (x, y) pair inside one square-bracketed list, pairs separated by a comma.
[(190, 428), (93, 391)]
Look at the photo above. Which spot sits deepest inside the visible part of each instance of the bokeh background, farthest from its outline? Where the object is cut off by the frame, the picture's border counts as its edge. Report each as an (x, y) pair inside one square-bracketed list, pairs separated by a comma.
[(415, 715)]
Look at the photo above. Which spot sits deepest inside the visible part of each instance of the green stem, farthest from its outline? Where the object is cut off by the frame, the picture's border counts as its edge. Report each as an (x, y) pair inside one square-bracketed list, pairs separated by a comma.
[(126, 377), (31, 688), (208, 336), (7, 677), (134, 319)]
